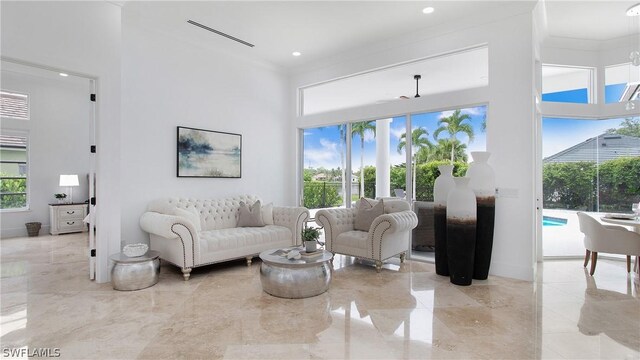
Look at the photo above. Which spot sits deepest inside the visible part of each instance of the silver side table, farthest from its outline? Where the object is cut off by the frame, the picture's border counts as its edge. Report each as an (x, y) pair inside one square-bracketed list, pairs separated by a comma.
[(135, 273)]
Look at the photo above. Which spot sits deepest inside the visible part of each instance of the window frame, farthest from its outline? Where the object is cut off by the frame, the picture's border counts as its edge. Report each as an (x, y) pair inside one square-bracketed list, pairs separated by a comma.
[(592, 94), (27, 176)]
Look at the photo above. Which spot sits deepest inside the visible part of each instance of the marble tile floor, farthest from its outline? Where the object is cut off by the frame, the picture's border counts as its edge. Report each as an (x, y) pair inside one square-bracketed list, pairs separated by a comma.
[(404, 312)]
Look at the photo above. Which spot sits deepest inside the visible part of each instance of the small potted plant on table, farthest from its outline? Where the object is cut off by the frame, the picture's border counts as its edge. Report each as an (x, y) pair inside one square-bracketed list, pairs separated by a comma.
[(60, 197), (310, 236)]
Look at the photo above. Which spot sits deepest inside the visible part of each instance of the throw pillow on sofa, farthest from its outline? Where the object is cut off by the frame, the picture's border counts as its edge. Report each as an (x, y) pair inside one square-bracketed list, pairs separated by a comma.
[(190, 214), (367, 213), (250, 216), (267, 214)]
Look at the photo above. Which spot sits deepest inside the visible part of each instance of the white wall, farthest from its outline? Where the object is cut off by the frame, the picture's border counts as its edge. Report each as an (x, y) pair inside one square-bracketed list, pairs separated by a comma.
[(510, 120), (80, 37), (168, 82), (58, 143)]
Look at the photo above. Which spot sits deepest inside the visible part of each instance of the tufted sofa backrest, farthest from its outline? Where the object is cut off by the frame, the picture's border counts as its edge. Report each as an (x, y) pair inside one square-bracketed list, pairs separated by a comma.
[(214, 213), (391, 206)]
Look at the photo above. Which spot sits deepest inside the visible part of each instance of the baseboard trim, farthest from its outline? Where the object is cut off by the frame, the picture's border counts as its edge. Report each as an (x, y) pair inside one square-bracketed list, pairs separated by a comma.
[(21, 232)]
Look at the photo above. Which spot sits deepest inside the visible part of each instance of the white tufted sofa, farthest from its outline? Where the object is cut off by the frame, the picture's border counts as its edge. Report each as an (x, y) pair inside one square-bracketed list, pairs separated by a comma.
[(389, 234), (220, 240)]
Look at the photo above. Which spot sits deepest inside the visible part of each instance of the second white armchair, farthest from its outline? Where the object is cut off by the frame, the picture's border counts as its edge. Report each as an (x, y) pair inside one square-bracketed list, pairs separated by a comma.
[(388, 235)]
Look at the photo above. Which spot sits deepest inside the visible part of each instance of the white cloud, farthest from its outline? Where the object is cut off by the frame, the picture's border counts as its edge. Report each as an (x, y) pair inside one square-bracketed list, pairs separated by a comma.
[(306, 133), (397, 132), (369, 136), (327, 155), (470, 111)]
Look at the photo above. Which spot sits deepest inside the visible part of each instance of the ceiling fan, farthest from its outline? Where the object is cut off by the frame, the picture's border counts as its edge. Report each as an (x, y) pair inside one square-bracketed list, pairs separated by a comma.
[(417, 95)]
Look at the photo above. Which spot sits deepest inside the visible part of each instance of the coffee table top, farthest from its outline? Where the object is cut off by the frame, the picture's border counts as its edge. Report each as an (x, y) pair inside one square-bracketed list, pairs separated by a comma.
[(275, 256)]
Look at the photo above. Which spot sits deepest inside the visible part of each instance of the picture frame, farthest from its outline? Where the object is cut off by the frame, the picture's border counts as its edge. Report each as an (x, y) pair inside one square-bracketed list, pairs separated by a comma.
[(204, 153)]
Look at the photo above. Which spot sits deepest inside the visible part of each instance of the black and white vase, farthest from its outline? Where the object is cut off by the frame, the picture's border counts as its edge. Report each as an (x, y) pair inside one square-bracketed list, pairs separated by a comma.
[(441, 188), (483, 184), (461, 232)]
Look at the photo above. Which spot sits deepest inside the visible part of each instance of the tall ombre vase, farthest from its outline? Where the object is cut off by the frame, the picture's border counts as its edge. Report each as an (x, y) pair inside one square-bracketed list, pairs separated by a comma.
[(441, 188), (461, 232), (483, 184)]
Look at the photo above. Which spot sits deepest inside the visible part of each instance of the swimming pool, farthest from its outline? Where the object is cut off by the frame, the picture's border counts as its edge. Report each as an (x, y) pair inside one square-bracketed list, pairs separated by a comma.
[(553, 221)]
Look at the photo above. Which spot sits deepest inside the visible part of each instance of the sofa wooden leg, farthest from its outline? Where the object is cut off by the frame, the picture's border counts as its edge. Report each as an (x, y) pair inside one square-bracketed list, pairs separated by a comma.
[(403, 256), (249, 259), (378, 265), (186, 273), (594, 260)]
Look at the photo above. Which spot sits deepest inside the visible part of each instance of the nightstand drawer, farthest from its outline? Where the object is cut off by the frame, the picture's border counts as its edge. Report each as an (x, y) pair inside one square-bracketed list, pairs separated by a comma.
[(71, 212), (70, 225)]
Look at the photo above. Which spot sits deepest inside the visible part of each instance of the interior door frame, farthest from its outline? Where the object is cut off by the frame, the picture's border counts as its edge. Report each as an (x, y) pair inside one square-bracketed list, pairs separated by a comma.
[(93, 122)]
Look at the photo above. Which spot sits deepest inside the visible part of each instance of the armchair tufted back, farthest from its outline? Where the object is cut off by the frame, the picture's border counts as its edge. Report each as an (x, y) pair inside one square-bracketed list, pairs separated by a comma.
[(214, 213)]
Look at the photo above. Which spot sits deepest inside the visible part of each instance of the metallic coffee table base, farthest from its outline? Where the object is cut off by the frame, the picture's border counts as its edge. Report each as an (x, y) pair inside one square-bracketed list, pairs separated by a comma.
[(135, 273), (295, 283)]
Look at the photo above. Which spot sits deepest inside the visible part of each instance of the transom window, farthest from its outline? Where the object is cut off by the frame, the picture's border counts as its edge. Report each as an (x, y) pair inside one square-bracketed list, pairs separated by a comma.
[(14, 105)]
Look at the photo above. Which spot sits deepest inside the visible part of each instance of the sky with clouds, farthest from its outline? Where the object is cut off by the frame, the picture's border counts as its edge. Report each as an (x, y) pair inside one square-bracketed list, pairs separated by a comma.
[(321, 145)]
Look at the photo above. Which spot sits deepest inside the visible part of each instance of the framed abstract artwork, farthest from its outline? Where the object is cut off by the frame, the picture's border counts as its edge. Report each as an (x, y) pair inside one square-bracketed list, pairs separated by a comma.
[(206, 153)]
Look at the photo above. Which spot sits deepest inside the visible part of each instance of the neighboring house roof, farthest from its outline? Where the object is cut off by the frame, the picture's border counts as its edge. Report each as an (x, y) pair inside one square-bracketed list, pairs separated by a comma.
[(599, 149)]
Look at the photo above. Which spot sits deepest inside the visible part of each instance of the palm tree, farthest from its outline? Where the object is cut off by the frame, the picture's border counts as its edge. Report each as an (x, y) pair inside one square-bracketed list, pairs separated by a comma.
[(442, 150), (453, 125), (417, 143), (360, 128)]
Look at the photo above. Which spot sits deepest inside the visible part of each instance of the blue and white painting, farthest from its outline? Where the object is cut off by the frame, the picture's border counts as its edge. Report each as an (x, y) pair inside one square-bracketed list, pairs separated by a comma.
[(204, 153)]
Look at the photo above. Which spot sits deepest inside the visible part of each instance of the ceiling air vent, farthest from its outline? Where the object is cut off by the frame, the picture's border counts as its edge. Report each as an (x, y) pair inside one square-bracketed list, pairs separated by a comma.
[(220, 33)]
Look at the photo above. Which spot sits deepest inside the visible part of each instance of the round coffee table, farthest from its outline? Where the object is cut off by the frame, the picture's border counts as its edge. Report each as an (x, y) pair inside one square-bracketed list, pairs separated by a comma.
[(294, 279), (135, 273)]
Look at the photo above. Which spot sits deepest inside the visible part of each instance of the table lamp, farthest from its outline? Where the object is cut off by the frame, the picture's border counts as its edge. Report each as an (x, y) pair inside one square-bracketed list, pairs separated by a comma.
[(69, 181)]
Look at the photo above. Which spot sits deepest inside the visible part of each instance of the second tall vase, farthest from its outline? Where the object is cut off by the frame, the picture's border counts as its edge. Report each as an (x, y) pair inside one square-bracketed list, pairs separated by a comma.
[(461, 232), (483, 185)]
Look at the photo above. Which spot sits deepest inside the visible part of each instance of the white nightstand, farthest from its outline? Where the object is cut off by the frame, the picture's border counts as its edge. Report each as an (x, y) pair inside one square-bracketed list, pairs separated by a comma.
[(67, 218)]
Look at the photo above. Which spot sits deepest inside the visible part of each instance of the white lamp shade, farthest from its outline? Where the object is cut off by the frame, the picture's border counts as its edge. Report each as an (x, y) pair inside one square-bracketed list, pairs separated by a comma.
[(69, 180)]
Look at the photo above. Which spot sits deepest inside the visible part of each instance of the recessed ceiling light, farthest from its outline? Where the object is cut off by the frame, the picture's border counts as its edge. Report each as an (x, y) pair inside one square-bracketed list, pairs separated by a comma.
[(296, 53), (428, 10), (634, 10), (64, 74)]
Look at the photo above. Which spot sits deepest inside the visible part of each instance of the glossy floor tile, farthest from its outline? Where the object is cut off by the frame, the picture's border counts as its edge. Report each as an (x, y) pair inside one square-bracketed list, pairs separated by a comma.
[(404, 312)]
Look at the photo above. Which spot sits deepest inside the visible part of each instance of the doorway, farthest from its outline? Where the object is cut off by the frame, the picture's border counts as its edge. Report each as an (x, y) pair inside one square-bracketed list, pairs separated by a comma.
[(58, 125)]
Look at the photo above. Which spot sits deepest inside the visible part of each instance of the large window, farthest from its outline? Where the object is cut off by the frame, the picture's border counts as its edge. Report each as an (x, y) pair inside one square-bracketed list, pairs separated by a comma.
[(588, 165), (442, 137), (568, 84), (325, 178), (13, 171)]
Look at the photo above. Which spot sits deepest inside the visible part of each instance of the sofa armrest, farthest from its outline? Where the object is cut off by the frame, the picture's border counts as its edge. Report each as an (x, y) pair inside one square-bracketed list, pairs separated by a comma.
[(293, 218), (173, 228), (161, 224), (335, 222), (394, 222)]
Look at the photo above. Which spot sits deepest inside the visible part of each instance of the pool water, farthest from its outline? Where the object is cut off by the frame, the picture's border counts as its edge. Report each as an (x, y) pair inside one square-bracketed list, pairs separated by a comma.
[(551, 221)]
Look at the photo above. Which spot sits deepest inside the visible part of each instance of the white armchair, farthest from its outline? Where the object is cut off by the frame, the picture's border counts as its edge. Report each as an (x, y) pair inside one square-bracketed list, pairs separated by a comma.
[(610, 239), (388, 236)]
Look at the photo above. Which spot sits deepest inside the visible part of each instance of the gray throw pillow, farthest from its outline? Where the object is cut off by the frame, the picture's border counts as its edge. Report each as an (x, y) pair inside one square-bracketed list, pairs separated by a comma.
[(366, 214), (250, 216)]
